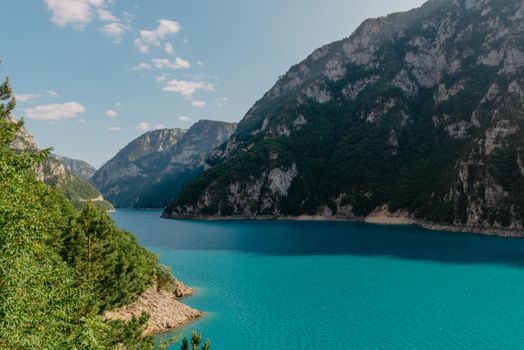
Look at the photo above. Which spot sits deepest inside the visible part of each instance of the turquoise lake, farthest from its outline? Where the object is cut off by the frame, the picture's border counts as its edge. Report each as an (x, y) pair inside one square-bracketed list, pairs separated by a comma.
[(340, 285)]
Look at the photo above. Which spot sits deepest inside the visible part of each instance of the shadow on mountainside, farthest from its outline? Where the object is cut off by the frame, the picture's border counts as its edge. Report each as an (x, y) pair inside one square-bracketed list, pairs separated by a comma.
[(322, 238)]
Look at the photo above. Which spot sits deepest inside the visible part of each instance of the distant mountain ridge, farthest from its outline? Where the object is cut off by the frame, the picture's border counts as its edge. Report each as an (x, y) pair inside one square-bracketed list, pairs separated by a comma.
[(53, 173), (76, 167), (417, 114), (151, 170)]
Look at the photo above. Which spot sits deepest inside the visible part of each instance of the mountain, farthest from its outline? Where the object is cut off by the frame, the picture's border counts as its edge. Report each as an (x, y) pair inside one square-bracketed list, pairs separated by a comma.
[(76, 167), (153, 169), (53, 173), (417, 114)]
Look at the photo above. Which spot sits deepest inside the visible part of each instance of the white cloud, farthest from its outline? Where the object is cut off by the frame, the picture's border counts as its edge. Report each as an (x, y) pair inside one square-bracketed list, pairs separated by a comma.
[(148, 38), (200, 63), (111, 113), (51, 93), (106, 16), (115, 30), (55, 111), (32, 97), (144, 126), (181, 63), (27, 97), (187, 88), (118, 27), (141, 66), (198, 104), (183, 118), (118, 104), (78, 13), (114, 128), (168, 48), (160, 126), (161, 63)]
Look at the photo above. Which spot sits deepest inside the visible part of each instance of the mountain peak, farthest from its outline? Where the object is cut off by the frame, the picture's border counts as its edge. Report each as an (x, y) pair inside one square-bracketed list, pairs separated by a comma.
[(418, 111), (152, 169)]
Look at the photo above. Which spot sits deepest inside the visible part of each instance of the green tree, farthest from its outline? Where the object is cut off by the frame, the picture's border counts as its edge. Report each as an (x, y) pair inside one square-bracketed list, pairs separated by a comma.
[(60, 268), (196, 340), (112, 265)]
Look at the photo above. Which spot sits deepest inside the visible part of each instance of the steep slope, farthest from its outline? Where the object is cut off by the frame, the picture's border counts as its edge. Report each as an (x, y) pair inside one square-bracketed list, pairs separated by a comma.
[(53, 173), (153, 178), (76, 167), (419, 112), (123, 170), (62, 270)]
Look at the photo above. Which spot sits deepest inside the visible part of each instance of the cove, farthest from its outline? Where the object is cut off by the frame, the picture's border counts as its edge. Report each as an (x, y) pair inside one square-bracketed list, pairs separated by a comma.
[(347, 285)]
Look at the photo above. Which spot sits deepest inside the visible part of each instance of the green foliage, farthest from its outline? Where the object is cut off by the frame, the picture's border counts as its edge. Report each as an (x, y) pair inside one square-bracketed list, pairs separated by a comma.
[(164, 278), (41, 305), (80, 192), (196, 340), (112, 265), (381, 144), (60, 268)]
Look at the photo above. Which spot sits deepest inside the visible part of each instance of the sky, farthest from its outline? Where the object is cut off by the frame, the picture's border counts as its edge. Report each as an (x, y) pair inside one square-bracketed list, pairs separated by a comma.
[(92, 75)]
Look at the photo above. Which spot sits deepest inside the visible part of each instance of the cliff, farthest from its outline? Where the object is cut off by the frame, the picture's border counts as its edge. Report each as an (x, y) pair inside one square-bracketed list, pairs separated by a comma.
[(76, 167), (53, 173), (420, 112), (153, 169), (165, 311)]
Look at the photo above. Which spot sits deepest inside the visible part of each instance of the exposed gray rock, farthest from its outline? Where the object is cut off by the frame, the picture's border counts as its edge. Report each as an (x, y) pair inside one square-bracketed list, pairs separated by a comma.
[(403, 82), (76, 167), (351, 91), (432, 98), (496, 135), (151, 170), (53, 173), (280, 180)]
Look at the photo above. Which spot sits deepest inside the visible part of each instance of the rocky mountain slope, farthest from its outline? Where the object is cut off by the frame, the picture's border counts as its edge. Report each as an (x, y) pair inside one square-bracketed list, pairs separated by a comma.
[(419, 113), (76, 167), (153, 169), (53, 173)]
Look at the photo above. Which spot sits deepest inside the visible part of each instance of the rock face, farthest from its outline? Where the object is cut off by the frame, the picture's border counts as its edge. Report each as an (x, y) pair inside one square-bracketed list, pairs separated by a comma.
[(153, 169), (165, 311), (76, 167), (419, 112), (183, 290), (53, 173)]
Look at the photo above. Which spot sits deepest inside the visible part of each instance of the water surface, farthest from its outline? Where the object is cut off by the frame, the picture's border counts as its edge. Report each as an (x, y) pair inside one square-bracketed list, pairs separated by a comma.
[(320, 285)]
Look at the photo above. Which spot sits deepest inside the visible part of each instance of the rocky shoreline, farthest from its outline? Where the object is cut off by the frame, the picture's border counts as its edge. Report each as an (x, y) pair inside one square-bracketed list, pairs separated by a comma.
[(373, 218), (165, 311)]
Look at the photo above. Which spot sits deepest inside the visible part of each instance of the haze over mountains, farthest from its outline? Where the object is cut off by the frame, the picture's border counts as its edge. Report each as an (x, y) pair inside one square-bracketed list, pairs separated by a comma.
[(151, 170), (76, 167), (418, 114)]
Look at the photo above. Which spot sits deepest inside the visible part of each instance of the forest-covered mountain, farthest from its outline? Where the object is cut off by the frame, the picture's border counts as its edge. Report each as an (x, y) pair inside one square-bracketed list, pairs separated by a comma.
[(152, 170), (76, 167), (52, 172), (420, 113)]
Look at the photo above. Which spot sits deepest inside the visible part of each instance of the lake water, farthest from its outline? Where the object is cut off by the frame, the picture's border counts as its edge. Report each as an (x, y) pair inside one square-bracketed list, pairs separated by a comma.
[(320, 285)]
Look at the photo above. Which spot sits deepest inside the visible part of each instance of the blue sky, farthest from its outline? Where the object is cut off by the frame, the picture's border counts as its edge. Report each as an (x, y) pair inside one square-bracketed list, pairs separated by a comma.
[(91, 75)]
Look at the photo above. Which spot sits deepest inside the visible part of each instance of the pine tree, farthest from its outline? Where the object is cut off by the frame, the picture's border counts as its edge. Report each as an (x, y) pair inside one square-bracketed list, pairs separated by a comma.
[(196, 340)]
